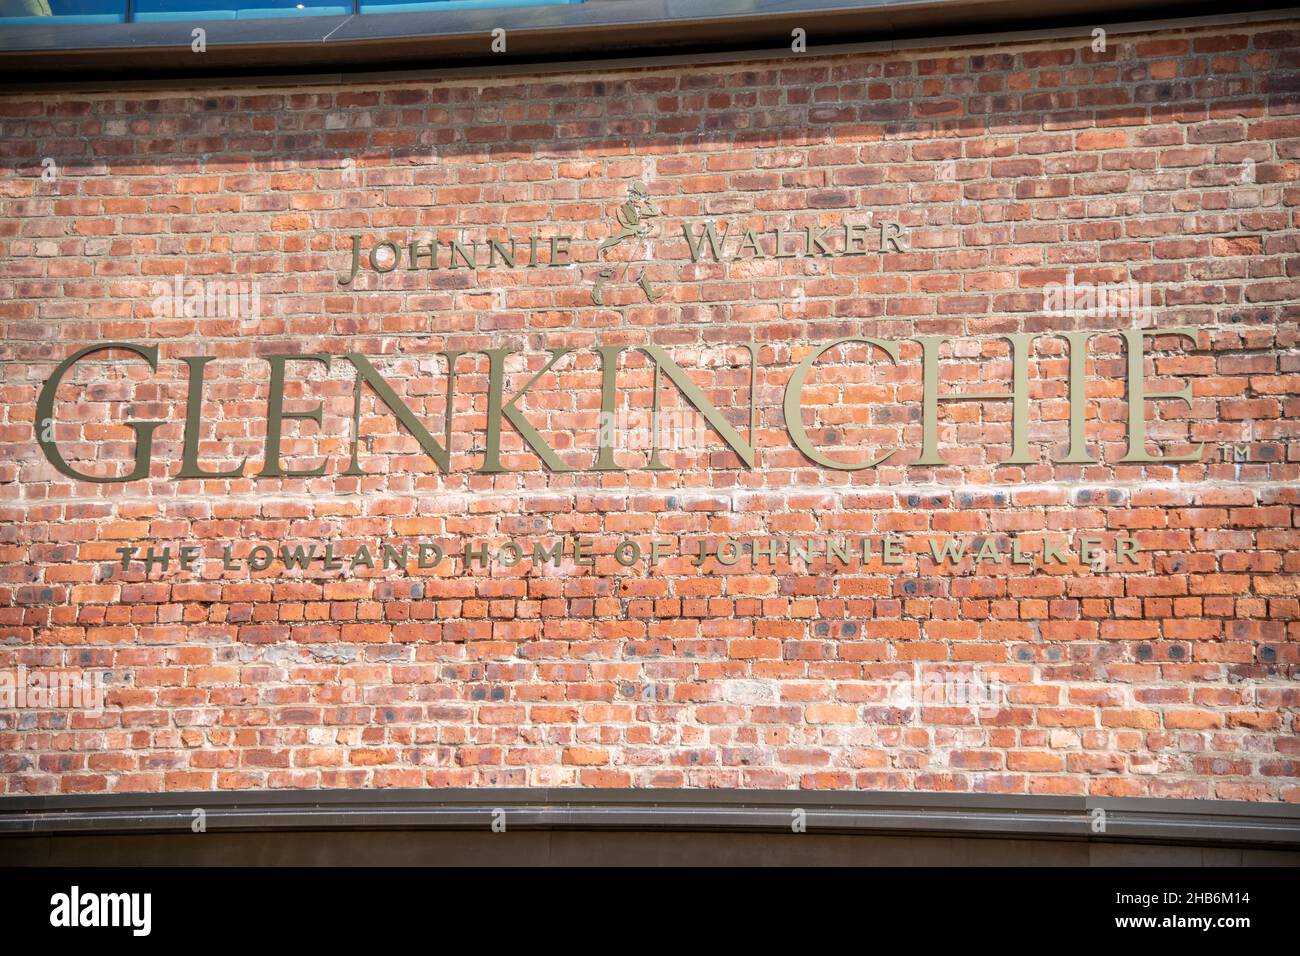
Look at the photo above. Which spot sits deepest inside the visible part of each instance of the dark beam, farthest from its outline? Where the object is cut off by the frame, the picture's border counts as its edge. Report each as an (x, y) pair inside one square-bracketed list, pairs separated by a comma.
[(110, 54)]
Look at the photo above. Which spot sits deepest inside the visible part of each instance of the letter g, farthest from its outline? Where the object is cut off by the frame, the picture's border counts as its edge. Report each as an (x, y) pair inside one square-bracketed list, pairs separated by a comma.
[(45, 414)]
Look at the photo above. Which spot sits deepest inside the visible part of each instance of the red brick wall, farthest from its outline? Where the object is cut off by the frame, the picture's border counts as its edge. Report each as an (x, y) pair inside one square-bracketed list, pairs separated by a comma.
[(1170, 161)]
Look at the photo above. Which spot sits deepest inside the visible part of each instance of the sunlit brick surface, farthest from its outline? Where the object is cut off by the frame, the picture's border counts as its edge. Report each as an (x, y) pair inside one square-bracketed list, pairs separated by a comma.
[(1169, 162)]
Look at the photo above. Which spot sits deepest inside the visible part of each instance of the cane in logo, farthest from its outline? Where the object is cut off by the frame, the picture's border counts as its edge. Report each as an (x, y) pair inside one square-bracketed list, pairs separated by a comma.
[(632, 218)]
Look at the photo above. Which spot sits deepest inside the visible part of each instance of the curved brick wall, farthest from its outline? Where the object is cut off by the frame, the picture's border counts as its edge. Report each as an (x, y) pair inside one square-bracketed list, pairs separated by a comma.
[(1169, 162)]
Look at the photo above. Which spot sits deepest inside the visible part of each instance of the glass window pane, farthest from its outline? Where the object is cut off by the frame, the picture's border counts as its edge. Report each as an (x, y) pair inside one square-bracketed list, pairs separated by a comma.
[(172, 11), (44, 12), (39, 12), (418, 6)]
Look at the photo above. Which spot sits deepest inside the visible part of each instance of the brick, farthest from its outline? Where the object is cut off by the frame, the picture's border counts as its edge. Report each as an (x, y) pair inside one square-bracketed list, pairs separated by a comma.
[(1172, 676)]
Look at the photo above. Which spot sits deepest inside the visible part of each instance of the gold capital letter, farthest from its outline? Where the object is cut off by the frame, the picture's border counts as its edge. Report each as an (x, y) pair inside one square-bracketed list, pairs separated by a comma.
[(497, 409), (367, 373), (1138, 396), (1018, 396), (275, 416), (794, 403), (695, 395), (1078, 454), (45, 416), (193, 417)]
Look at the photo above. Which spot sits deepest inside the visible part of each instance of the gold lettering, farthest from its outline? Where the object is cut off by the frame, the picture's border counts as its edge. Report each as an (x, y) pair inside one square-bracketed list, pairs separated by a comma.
[(1138, 396)]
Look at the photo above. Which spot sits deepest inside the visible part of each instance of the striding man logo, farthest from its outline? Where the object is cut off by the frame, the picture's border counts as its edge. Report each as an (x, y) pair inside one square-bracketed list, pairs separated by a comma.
[(632, 218)]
